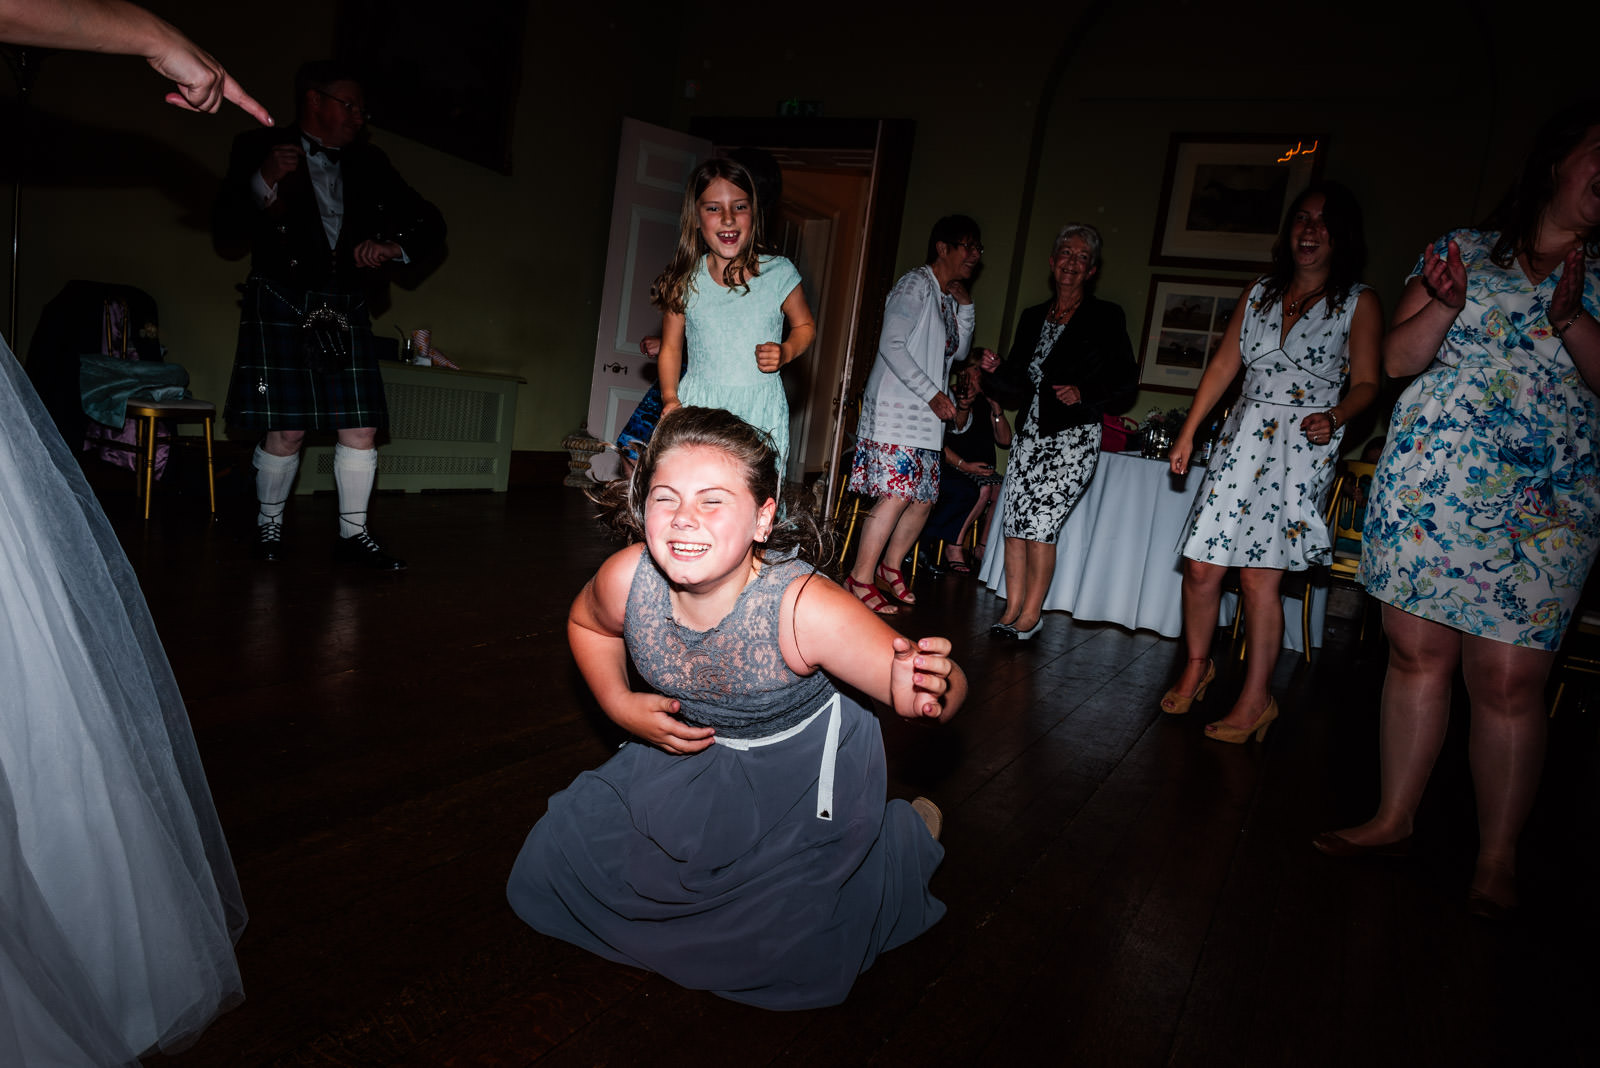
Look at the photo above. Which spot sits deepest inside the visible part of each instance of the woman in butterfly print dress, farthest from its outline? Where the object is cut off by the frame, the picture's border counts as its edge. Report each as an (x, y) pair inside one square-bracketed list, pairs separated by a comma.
[(1300, 333)]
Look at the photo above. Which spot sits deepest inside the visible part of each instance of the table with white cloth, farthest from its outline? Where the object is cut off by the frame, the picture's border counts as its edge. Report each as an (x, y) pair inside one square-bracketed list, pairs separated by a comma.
[(1117, 558)]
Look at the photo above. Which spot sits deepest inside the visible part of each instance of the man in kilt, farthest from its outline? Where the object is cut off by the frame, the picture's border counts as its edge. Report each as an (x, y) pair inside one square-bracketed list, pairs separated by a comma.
[(321, 212)]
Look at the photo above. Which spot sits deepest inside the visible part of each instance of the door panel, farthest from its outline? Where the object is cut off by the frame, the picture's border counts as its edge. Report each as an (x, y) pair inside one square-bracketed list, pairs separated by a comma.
[(653, 165)]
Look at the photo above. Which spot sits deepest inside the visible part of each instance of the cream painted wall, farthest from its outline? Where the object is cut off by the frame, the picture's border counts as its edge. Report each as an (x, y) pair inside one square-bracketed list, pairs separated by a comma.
[(519, 291), (1422, 141), (968, 75)]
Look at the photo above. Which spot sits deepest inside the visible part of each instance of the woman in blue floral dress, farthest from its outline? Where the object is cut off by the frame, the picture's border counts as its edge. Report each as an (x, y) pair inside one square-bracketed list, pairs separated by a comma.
[(1485, 509), (1301, 333)]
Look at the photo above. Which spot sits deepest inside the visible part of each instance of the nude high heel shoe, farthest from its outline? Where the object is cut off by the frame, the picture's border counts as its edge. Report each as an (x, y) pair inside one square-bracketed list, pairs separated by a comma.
[(1224, 733), (1174, 703)]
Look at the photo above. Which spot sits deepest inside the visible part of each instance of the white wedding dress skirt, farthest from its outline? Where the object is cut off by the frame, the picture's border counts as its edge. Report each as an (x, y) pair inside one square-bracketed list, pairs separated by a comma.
[(119, 905)]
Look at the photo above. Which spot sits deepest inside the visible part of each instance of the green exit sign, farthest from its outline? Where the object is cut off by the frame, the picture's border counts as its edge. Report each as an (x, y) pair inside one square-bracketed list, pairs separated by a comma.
[(795, 108)]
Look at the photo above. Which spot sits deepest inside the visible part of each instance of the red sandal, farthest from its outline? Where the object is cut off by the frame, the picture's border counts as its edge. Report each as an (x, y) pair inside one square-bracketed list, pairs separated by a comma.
[(872, 597), (899, 589)]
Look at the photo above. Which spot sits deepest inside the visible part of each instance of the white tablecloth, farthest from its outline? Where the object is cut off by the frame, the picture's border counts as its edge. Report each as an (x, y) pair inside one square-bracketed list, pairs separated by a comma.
[(1117, 558)]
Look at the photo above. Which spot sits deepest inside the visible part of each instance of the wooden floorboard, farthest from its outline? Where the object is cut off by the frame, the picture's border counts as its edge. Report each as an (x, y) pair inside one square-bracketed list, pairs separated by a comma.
[(1121, 890)]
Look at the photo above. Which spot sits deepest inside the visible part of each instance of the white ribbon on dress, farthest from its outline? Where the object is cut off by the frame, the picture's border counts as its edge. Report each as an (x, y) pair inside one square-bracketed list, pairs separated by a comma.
[(830, 751)]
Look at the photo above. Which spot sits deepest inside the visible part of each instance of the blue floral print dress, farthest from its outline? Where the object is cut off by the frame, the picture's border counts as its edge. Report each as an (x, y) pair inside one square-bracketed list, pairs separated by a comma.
[(1260, 502), (1485, 508)]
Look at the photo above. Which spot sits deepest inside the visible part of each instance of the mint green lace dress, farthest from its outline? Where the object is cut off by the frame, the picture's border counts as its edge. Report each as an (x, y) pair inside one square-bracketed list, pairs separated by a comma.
[(722, 328)]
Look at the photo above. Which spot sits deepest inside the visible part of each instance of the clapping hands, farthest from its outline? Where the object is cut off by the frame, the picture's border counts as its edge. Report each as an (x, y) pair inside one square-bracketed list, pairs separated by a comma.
[(1445, 277), (1567, 300)]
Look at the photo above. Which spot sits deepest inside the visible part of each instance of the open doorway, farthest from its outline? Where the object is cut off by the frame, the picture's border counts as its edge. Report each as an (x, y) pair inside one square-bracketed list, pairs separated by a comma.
[(844, 186), (839, 222)]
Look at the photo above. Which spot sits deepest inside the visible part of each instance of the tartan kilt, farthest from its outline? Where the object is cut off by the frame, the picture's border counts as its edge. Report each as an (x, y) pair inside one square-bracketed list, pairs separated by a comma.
[(274, 388)]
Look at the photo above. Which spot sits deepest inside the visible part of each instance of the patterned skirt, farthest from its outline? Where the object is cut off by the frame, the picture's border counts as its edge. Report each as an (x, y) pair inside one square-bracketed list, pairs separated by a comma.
[(641, 425), (899, 471), (1047, 477), (282, 382)]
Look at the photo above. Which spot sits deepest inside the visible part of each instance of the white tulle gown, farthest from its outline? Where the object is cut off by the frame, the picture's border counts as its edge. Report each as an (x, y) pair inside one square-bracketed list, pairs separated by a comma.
[(119, 905)]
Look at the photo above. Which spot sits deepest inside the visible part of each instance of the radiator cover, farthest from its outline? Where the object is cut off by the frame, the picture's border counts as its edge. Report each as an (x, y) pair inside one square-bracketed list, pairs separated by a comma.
[(448, 430)]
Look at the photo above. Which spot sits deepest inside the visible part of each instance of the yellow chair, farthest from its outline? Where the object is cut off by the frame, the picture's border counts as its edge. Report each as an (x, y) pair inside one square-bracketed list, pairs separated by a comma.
[(1347, 514), (178, 411), (1347, 511), (1580, 653)]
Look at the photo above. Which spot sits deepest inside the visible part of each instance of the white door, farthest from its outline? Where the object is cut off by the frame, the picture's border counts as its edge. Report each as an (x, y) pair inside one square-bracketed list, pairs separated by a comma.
[(653, 166), (807, 241)]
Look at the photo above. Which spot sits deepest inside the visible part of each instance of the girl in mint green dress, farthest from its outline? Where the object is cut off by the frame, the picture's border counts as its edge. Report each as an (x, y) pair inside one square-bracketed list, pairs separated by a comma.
[(729, 305)]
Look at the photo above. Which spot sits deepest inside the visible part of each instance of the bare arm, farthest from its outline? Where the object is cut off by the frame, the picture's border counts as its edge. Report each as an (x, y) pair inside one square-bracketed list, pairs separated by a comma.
[(669, 363), (122, 28), (1214, 383), (771, 355), (824, 626), (594, 630), (1366, 335), (1002, 425), (1430, 303)]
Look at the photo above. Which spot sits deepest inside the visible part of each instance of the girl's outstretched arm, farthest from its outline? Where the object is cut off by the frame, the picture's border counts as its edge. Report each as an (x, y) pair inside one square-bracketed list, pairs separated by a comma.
[(594, 630), (825, 626), (127, 29)]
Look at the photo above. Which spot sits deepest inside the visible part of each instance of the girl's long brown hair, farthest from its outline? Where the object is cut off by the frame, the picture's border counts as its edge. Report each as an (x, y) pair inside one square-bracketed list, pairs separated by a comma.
[(672, 287)]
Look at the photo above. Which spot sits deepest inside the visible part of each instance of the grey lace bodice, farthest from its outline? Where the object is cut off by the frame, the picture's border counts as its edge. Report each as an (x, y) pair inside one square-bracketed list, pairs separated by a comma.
[(733, 676)]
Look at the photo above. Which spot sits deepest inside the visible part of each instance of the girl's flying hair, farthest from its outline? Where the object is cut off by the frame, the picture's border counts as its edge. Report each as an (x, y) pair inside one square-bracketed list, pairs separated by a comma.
[(794, 531)]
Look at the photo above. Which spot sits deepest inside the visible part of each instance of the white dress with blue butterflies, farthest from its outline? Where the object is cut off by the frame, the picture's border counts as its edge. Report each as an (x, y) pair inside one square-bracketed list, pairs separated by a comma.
[(1485, 509), (1260, 502)]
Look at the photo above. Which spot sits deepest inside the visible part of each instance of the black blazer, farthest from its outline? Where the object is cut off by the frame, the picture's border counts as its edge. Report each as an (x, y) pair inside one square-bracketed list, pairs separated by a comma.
[(1092, 353), (286, 240)]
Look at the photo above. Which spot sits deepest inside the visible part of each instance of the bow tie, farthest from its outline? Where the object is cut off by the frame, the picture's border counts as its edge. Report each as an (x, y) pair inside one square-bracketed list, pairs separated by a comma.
[(332, 153)]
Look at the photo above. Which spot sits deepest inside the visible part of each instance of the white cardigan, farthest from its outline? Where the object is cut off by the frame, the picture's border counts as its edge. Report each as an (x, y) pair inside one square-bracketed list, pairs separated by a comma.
[(911, 368)]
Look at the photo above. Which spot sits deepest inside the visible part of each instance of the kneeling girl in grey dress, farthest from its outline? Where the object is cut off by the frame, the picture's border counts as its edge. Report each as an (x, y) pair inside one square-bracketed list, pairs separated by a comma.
[(740, 842)]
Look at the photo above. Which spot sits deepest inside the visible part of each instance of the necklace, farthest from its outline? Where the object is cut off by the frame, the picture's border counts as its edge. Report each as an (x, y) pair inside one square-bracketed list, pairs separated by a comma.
[(1293, 308), (1057, 315)]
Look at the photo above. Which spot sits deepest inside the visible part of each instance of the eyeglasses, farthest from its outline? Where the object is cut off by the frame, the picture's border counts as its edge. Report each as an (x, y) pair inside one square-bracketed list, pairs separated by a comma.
[(363, 114), (970, 246)]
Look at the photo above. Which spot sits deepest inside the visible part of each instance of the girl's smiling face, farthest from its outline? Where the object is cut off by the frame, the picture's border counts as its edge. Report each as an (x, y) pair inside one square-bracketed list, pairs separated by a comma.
[(700, 519), (726, 220)]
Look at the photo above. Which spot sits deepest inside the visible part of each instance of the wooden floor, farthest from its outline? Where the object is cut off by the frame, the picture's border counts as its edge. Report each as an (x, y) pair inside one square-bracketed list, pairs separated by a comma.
[(1121, 890)]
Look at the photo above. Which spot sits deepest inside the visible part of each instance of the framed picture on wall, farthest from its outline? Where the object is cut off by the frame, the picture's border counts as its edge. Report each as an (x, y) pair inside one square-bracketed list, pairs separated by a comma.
[(1183, 325), (1224, 195)]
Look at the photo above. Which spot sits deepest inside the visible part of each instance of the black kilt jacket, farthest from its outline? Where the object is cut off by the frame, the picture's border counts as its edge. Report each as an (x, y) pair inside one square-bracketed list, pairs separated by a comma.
[(293, 272)]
